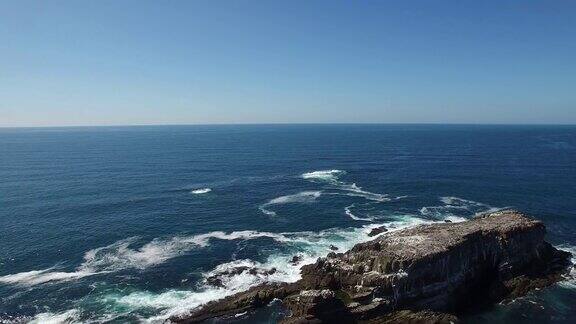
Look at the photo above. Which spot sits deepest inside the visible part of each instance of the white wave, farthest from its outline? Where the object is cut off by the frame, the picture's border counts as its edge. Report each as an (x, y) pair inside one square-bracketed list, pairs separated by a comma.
[(120, 256), (36, 277), (356, 191), (308, 245), (459, 202), (200, 191), (71, 316), (267, 211), (301, 197), (455, 208), (570, 281), (348, 211), (331, 177), (323, 175)]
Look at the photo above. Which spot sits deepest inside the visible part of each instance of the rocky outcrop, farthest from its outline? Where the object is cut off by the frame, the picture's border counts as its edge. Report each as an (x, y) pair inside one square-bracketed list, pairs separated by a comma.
[(445, 266), (317, 306), (377, 230), (217, 279), (256, 297), (416, 274)]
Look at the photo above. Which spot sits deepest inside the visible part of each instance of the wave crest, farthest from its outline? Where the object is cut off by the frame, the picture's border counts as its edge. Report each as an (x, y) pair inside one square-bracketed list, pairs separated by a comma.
[(325, 175), (301, 197), (121, 256), (200, 191)]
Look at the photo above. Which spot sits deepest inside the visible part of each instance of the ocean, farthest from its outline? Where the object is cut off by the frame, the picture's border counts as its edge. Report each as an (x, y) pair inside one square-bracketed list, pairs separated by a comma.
[(127, 224)]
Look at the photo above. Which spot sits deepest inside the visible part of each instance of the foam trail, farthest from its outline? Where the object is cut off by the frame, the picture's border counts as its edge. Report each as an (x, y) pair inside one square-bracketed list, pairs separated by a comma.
[(348, 211), (455, 201), (331, 177), (570, 281), (323, 175), (356, 191), (120, 256), (301, 197), (200, 191), (71, 316), (455, 208), (36, 277), (236, 275)]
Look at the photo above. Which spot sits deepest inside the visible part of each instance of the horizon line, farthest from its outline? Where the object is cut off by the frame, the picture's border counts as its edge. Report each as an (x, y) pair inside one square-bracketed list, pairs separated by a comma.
[(288, 124)]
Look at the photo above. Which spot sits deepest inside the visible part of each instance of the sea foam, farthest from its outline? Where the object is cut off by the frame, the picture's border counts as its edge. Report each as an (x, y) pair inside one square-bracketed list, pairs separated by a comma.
[(325, 175), (332, 179), (200, 191), (36, 277), (570, 281), (348, 211), (70, 316), (301, 197), (308, 245), (455, 208), (122, 255)]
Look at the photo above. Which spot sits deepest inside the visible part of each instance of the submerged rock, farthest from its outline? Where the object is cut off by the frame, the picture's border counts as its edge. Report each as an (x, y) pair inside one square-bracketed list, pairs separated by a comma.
[(296, 259), (417, 274), (218, 279), (377, 230)]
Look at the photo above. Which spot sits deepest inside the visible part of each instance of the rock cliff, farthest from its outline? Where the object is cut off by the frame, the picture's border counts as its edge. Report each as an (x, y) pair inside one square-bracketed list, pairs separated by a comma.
[(419, 275)]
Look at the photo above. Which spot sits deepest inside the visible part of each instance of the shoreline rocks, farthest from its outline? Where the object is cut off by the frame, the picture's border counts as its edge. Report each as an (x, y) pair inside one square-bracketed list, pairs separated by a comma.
[(417, 275), (377, 230)]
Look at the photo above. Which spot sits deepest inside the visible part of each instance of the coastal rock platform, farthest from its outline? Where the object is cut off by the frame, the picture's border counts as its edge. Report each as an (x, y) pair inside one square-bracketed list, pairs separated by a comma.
[(426, 274)]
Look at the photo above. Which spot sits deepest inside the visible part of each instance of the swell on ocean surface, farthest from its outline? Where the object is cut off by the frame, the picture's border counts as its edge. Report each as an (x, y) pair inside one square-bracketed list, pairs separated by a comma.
[(122, 255), (301, 197), (331, 178), (330, 185), (240, 274)]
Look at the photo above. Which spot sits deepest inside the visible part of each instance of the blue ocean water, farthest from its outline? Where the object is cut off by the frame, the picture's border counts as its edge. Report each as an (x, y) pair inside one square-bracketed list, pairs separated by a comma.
[(124, 224)]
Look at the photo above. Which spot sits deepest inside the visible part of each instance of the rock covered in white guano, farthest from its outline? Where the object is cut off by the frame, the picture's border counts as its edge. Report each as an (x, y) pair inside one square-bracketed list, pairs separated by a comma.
[(418, 275)]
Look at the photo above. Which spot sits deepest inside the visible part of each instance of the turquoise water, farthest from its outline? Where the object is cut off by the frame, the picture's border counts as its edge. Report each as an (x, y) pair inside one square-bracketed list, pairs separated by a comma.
[(124, 224)]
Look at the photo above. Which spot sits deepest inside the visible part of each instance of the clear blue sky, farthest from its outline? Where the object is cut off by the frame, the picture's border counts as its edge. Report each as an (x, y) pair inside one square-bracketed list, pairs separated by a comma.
[(179, 62)]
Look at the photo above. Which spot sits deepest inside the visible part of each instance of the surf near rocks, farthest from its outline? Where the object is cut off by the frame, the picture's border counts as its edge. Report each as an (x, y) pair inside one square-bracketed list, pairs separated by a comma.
[(425, 271)]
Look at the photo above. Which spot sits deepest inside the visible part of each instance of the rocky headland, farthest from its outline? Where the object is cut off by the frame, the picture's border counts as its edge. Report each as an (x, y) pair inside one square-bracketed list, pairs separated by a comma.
[(426, 274)]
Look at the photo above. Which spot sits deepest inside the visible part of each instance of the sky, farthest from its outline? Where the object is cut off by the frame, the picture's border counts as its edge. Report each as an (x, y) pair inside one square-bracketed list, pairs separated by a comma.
[(67, 63)]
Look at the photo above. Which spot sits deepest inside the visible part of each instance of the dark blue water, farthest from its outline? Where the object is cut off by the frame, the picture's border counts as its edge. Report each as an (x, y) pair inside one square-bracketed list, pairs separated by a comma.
[(125, 223)]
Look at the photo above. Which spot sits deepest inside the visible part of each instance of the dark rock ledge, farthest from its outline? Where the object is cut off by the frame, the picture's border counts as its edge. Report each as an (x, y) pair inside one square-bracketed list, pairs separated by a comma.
[(420, 275)]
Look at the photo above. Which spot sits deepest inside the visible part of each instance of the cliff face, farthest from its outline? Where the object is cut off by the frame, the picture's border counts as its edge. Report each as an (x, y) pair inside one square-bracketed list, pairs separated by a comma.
[(446, 267)]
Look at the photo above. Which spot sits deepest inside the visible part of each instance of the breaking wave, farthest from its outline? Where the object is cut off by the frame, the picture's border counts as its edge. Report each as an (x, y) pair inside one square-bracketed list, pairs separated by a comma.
[(281, 264), (348, 211), (355, 191), (240, 275), (457, 209), (121, 256), (323, 175), (301, 197), (200, 191), (71, 316), (36, 277), (570, 278), (335, 186), (233, 276), (332, 179)]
